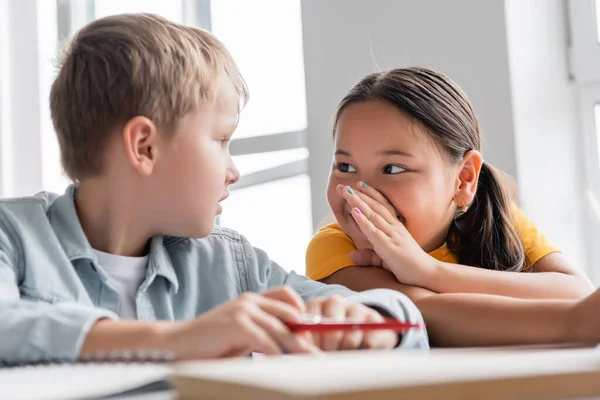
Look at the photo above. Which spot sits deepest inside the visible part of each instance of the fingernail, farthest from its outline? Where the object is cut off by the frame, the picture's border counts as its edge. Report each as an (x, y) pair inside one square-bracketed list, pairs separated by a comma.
[(356, 210), (340, 187), (363, 185), (350, 190)]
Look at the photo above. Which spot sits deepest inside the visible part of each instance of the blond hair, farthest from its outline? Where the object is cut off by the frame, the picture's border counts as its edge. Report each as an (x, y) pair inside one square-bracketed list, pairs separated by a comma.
[(130, 65)]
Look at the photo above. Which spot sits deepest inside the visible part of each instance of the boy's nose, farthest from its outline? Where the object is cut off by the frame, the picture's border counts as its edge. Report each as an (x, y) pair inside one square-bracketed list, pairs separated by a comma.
[(233, 174)]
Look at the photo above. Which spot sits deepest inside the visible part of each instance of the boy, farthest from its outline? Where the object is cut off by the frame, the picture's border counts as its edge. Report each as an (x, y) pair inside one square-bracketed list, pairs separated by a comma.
[(144, 109)]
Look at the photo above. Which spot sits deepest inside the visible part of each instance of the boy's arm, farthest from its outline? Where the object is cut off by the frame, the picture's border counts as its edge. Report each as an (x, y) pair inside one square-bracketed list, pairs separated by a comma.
[(33, 331), (264, 274), (248, 323)]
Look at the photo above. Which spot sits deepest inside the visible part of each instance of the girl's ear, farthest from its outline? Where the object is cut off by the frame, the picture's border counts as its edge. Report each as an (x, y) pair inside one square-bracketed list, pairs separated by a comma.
[(467, 178)]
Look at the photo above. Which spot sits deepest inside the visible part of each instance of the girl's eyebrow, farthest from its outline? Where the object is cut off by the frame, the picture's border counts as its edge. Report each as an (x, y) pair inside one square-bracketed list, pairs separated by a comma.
[(395, 153), (341, 152)]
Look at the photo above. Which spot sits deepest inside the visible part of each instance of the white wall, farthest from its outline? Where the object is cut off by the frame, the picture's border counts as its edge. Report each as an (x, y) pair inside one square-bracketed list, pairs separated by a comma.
[(524, 101), (546, 123)]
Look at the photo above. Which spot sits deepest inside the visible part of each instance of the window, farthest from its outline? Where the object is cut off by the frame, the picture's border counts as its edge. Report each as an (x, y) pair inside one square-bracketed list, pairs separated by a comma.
[(597, 127), (584, 35), (585, 70), (53, 177), (597, 6), (269, 151), (269, 54), (6, 172), (271, 204), (169, 9)]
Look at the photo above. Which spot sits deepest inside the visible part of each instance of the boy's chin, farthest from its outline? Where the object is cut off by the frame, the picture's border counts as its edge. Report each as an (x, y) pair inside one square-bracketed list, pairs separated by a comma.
[(205, 231)]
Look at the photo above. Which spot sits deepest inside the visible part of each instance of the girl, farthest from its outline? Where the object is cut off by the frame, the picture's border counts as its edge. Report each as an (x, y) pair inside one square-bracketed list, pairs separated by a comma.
[(419, 210)]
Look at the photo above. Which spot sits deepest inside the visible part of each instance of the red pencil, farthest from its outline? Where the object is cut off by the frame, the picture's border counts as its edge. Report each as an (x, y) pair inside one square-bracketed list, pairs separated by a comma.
[(317, 324)]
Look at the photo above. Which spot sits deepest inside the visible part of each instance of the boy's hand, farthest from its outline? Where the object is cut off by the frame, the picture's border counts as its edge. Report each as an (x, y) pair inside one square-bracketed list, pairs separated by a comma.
[(338, 308), (252, 322), (393, 246)]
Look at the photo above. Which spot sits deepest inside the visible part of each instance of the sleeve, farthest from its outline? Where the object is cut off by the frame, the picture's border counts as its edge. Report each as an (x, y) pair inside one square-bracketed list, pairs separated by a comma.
[(33, 331), (535, 244), (263, 274), (328, 251)]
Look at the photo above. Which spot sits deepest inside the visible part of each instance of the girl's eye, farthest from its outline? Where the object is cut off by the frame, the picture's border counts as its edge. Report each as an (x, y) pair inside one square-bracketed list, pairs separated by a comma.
[(344, 167), (393, 169)]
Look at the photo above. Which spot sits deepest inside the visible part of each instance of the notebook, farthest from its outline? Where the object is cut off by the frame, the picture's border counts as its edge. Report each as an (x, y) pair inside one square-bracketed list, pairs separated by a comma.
[(525, 374), (80, 381)]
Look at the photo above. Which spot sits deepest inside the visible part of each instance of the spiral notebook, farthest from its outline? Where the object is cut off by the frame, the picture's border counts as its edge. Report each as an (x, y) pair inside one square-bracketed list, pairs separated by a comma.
[(107, 376), (81, 381)]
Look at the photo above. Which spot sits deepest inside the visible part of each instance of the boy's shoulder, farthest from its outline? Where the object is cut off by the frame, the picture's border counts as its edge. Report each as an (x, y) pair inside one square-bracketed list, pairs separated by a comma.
[(44, 199), (28, 207), (26, 226)]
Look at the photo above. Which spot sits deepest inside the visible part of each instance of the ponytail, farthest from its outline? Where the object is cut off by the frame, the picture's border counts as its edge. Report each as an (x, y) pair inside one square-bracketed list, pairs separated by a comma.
[(484, 235)]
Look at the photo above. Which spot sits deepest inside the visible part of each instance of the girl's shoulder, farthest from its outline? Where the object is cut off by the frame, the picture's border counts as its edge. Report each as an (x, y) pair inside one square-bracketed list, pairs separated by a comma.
[(535, 244), (331, 229), (328, 251)]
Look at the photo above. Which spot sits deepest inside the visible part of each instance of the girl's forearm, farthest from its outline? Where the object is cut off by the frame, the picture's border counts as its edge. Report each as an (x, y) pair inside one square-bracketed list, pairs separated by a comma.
[(487, 320), (471, 319), (453, 278)]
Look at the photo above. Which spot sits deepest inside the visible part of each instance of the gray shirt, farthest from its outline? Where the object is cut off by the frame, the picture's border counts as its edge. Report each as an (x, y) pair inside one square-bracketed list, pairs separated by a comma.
[(52, 289)]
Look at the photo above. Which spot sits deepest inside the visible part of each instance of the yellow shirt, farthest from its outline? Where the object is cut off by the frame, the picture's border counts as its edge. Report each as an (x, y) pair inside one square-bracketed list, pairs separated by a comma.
[(329, 250)]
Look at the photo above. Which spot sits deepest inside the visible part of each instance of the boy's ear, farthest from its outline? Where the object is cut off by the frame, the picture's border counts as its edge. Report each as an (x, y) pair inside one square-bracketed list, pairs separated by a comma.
[(140, 138), (467, 178)]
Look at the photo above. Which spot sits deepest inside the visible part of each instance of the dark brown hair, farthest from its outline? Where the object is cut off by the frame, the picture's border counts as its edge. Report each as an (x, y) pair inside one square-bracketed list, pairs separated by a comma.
[(127, 65), (484, 236)]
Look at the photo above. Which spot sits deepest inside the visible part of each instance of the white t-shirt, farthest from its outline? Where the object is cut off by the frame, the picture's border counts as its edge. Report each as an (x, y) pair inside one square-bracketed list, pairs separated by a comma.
[(125, 275)]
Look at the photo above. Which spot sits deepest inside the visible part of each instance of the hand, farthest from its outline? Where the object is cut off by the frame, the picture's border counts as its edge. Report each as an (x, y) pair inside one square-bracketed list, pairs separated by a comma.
[(392, 244), (338, 308), (364, 253), (252, 322)]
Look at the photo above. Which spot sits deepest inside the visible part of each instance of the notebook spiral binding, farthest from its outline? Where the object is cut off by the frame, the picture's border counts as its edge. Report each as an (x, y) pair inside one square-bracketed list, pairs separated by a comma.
[(117, 356)]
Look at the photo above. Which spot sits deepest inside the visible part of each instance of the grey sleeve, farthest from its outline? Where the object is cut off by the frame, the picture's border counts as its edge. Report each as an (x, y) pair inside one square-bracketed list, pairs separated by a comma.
[(264, 274), (33, 331)]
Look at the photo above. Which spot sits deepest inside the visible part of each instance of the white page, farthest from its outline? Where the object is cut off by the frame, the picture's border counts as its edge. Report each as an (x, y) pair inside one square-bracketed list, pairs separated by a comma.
[(76, 381)]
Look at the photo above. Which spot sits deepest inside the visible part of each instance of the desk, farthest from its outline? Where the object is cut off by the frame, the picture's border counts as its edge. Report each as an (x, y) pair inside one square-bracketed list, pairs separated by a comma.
[(516, 373)]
